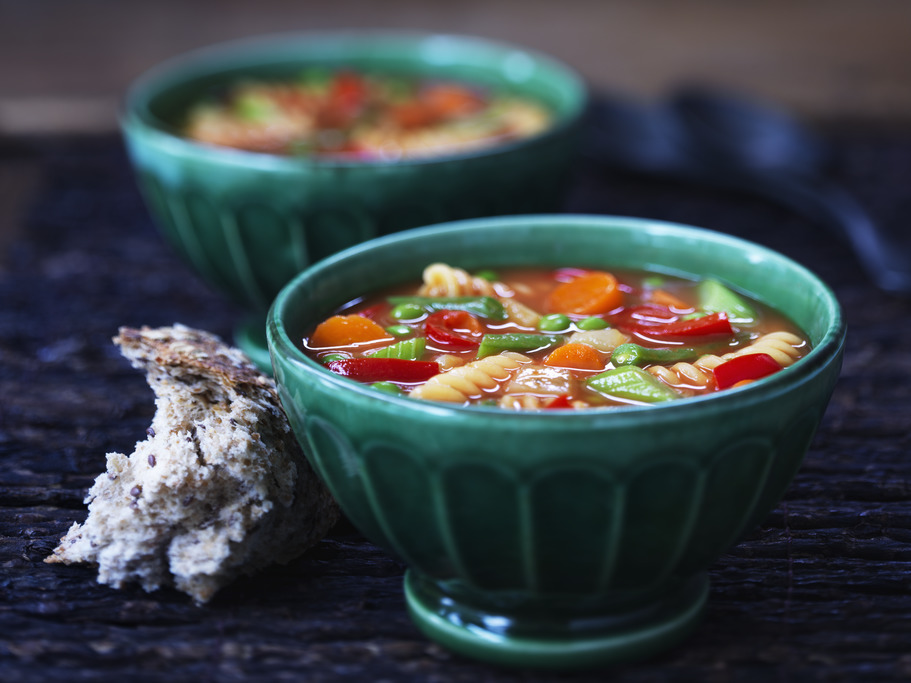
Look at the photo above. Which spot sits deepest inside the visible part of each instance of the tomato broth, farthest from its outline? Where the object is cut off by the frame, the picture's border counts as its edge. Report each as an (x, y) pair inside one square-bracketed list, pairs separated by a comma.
[(566, 338)]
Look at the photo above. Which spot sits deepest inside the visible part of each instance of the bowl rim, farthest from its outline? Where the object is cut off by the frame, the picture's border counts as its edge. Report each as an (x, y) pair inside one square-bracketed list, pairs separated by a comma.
[(134, 114), (829, 347)]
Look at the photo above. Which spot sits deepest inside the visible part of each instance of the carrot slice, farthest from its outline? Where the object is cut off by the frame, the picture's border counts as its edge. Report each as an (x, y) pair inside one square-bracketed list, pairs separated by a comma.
[(341, 330), (589, 294), (575, 356), (665, 298)]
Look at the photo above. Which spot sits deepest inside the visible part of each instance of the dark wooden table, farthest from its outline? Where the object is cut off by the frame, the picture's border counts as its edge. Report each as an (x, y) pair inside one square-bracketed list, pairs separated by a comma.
[(821, 591)]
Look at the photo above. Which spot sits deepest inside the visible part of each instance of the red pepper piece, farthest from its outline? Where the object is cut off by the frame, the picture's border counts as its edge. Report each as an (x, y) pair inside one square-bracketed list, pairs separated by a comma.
[(660, 321), (375, 311), (454, 330), (385, 369), (747, 367), (562, 401)]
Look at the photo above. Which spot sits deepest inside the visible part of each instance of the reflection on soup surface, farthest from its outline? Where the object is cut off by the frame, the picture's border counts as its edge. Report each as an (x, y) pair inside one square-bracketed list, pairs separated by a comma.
[(349, 115), (541, 339)]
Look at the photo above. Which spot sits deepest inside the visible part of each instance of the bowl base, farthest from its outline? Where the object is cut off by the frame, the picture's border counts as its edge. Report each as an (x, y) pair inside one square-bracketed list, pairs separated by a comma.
[(562, 640), (250, 337)]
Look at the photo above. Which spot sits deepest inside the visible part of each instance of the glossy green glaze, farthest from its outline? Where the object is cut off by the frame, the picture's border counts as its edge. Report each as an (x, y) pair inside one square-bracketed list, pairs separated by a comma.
[(570, 539), (248, 222)]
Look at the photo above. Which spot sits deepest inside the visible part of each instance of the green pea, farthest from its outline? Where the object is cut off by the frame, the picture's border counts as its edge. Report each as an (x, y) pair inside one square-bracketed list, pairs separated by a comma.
[(407, 312), (488, 275), (329, 357), (592, 323), (555, 322), (399, 330), (387, 388)]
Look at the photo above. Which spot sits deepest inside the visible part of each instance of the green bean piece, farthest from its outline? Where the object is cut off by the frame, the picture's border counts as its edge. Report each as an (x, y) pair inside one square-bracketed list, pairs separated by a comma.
[(634, 354), (398, 330), (483, 306), (593, 323), (329, 357), (714, 297), (555, 322), (633, 383), (409, 349), (407, 311), (387, 388), (492, 344)]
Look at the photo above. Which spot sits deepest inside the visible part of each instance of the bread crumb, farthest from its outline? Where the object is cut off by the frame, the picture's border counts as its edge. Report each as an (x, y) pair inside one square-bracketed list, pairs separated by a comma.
[(220, 486)]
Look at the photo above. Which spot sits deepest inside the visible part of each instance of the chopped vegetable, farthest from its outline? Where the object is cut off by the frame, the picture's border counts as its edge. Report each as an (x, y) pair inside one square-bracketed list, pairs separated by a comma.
[(714, 297), (483, 306), (342, 330), (453, 329), (407, 311), (399, 330), (409, 349), (385, 369), (630, 382), (635, 354), (555, 322), (660, 321), (492, 344), (387, 388), (665, 298), (747, 367), (589, 294), (575, 356), (560, 402), (592, 323)]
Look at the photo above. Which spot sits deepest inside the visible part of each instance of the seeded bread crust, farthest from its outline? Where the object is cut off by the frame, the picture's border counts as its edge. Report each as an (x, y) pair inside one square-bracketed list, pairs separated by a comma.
[(219, 488)]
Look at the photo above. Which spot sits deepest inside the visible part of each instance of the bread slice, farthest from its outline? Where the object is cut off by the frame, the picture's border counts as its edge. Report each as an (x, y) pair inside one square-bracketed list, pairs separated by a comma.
[(219, 488)]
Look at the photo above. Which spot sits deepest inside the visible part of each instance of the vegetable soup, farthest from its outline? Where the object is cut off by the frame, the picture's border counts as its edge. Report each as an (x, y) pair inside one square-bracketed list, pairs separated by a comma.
[(351, 115), (567, 338)]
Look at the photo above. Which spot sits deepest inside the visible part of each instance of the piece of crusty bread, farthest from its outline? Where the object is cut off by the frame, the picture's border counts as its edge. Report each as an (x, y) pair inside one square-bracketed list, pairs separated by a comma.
[(219, 488)]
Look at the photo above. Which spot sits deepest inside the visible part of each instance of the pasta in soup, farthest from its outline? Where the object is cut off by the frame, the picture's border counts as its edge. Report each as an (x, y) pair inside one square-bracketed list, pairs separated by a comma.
[(543, 339), (349, 115)]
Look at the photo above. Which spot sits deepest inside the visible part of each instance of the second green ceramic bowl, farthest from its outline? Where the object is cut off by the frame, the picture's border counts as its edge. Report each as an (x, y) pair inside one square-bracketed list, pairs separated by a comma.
[(567, 538), (248, 222)]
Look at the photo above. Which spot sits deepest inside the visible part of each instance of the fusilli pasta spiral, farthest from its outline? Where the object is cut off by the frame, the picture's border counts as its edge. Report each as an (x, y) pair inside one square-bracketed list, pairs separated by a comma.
[(470, 380), (784, 347), (683, 376), (444, 280)]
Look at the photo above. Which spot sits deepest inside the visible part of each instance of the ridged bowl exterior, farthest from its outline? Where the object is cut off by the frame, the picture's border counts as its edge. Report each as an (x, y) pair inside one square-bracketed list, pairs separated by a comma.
[(249, 222), (603, 504)]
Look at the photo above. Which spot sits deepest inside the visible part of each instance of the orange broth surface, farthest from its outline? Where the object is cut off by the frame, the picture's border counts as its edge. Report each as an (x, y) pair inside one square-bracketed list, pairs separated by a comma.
[(548, 339)]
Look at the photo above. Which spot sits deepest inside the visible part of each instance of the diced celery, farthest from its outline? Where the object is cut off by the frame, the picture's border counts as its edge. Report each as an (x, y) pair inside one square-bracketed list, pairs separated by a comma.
[(714, 297), (409, 349)]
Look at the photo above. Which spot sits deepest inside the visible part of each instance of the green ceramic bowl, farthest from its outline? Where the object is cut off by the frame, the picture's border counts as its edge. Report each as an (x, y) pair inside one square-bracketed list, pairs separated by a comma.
[(565, 539), (248, 222)]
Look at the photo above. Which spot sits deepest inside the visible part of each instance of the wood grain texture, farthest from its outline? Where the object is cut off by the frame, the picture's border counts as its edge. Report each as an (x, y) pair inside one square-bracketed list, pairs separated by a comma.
[(820, 592)]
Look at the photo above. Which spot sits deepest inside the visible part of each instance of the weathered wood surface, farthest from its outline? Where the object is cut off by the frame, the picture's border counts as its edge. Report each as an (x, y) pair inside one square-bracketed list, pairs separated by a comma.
[(822, 591)]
